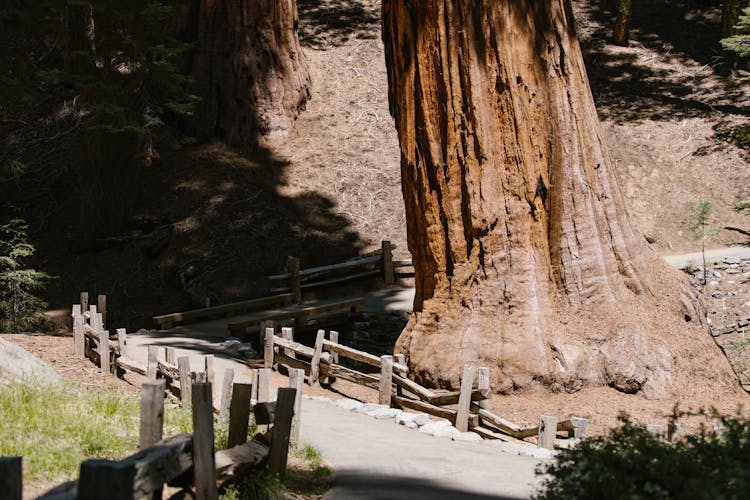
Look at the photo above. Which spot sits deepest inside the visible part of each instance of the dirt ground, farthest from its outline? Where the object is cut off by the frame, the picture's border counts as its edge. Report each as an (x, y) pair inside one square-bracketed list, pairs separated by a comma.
[(211, 224)]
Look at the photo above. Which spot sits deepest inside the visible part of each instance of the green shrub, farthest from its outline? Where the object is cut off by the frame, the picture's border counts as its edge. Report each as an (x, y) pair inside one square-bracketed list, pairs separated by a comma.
[(739, 43), (20, 309), (630, 463)]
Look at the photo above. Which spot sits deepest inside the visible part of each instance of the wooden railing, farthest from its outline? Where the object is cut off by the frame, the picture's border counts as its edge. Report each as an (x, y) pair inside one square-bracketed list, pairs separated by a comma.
[(466, 408), (187, 461), (379, 263)]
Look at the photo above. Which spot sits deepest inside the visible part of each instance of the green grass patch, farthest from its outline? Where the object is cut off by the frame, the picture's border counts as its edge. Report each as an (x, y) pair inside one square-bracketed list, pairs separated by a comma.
[(55, 427)]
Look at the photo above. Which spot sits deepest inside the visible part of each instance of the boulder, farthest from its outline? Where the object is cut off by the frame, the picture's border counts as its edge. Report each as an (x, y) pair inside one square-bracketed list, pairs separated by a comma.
[(17, 365)]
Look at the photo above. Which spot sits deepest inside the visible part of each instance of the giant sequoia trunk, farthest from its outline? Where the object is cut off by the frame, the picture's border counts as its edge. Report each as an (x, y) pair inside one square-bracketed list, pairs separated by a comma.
[(249, 69), (524, 257)]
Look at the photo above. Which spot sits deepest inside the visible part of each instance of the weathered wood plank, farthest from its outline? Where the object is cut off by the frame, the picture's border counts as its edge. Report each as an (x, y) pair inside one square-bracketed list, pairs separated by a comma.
[(152, 412), (226, 392), (268, 339), (183, 365), (311, 273), (296, 382), (506, 426), (152, 360), (239, 414), (342, 372), (428, 408), (547, 431), (106, 479), (295, 347), (387, 262), (101, 301), (282, 359), (11, 478), (297, 312), (122, 341), (292, 269), (483, 384), (131, 365), (234, 461), (235, 307), (204, 467), (361, 356), (385, 386), (413, 387), (464, 399), (264, 412), (282, 426), (315, 362)]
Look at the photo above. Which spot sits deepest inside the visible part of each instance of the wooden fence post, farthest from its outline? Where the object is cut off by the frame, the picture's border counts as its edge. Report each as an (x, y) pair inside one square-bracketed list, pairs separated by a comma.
[(315, 361), (94, 319), (264, 385), (204, 467), (183, 367), (282, 424), (84, 300), (226, 393), (580, 427), (288, 334), (386, 380), (464, 399), (292, 267), (152, 412), (547, 432), (296, 382), (11, 478), (106, 479), (254, 378), (152, 362), (79, 334), (239, 414), (388, 274), (268, 348), (104, 351), (169, 353), (208, 363), (483, 382), (122, 341), (101, 301)]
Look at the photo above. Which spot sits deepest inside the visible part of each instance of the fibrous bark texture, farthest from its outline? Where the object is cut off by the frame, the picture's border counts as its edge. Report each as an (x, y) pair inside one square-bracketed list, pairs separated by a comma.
[(621, 32), (249, 70), (524, 257)]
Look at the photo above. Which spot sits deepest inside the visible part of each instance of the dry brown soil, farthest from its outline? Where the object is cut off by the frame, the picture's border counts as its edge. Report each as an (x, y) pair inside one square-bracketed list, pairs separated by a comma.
[(210, 223)]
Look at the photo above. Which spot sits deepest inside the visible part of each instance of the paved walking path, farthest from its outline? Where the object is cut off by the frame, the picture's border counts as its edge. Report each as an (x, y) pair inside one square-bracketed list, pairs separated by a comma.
[(378, 458)]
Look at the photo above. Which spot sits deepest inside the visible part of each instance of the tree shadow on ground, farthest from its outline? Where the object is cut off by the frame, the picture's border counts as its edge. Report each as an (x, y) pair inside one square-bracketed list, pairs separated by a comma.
[(333, 22), (632, 84), (363, 485), (210, 224)]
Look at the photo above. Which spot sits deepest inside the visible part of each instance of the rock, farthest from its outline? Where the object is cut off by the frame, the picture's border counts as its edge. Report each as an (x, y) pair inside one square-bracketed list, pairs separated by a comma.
[(368, 407), (717, 295), (713, 283), (717, 274), (383, 413), (325, 399), (421, 419), (411, 425), (446, 432), (17, 365), (432, 426), (732, 260), (468, 436), (349, 404)]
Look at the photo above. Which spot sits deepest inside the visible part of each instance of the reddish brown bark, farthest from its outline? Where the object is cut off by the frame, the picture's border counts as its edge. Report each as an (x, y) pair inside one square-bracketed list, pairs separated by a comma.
[(524, 257), (249, 70), (621, 32)]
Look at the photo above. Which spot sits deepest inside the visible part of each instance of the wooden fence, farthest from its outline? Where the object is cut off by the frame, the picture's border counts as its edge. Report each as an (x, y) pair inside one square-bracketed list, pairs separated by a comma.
[(467, 408), (186, 461), (379, 263)]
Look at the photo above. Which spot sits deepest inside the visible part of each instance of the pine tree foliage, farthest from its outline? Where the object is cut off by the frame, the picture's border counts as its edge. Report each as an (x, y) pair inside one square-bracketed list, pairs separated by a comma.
[(739, 43), (20, 309)]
